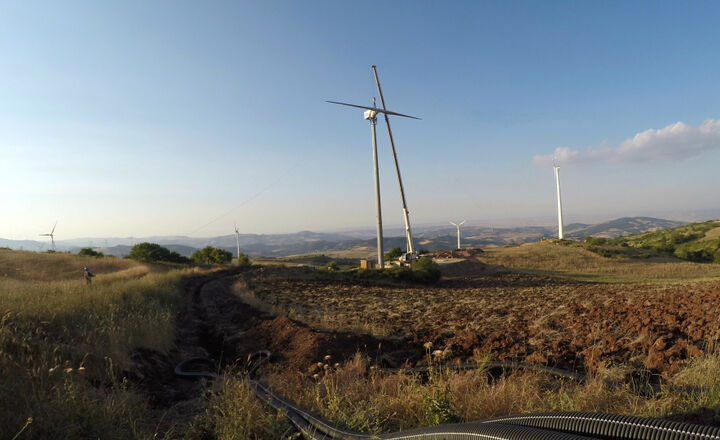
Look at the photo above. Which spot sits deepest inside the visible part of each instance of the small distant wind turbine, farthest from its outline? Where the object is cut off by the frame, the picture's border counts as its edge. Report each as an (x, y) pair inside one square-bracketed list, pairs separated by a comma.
[(51, 235), (457, 225), (560, 220), (237, 242), (371, 115)]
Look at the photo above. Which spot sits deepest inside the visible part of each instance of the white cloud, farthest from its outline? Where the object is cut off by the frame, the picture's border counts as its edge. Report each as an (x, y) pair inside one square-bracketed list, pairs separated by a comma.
[(675, 142)]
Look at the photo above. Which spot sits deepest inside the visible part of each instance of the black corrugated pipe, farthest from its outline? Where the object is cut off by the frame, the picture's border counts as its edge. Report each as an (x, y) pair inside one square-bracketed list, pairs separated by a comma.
[(612, 426)]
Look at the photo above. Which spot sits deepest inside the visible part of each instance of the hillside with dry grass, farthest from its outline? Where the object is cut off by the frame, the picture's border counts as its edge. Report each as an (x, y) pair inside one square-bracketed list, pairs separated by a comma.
[(576, 260), (64, 344), (55, 266)]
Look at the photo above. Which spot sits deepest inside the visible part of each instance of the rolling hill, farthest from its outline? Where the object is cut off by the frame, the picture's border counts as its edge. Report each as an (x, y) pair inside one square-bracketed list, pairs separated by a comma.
[(356, 242), (620, 227), (698, 242)]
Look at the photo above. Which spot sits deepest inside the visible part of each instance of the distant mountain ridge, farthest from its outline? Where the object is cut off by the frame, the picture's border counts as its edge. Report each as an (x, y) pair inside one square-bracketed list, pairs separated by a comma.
[(305, 242)]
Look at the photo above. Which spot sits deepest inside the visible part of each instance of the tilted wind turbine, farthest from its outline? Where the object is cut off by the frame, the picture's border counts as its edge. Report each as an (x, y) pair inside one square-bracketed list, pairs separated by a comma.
[(406, 213), (51, 235), (371, 115)]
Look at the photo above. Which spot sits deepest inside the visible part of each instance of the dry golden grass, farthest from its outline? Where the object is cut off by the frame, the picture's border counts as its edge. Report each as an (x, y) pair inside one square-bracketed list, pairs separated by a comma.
[(551, 258), (63, 344), (232, 411), (711, 234), (358, 397), (24, 265)]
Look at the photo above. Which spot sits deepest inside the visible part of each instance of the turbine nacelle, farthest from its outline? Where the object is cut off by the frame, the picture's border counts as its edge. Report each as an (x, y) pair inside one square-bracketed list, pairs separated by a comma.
[(370, 115)]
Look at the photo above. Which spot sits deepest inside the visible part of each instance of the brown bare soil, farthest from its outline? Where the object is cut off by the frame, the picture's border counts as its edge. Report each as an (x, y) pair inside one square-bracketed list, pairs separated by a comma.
[(479, 309)]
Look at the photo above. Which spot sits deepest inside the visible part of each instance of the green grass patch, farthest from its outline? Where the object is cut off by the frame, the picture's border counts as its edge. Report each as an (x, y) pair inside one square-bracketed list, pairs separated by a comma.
[(698, 242)]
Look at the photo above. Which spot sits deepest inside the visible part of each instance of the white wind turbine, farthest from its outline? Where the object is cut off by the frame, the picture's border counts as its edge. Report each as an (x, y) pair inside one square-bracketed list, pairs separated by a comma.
[(51, 235), (371, 115), (457, 225), (559, 201), (406, 214)]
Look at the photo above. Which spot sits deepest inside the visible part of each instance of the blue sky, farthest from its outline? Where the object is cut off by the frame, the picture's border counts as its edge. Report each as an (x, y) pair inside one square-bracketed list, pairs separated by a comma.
[(141, 118)]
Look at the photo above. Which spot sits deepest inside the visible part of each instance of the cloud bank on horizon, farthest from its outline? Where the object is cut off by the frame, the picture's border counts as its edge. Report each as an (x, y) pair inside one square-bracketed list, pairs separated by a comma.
[(675, 142)]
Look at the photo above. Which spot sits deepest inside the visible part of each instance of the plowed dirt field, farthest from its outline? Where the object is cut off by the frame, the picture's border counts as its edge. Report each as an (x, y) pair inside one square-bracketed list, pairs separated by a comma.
[(477, 310)]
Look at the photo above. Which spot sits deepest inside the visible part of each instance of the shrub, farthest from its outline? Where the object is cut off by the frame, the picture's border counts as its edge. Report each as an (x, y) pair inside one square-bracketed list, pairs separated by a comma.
[(154, 253), (696, 255), (243, 260), (597, 241), (617, 241), (603, 252), (89, 252), (211, 255), (425, 270), (331, 266), (393, 254)]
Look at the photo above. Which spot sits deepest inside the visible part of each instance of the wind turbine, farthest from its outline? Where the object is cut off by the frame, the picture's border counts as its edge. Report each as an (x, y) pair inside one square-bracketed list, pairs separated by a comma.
[(371, 115), (51, 235), (560, 220), (237, 242), (457, 225), (406, 213)]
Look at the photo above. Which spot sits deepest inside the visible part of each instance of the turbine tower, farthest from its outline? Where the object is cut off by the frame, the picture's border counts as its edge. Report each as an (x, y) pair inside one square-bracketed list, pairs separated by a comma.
[(457, 225), (51, 235), (371, 115), (560, 220), (406, 213), (237, 242)]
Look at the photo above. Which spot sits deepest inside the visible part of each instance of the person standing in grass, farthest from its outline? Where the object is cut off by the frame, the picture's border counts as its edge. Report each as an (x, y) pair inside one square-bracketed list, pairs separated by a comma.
[(88, 275)]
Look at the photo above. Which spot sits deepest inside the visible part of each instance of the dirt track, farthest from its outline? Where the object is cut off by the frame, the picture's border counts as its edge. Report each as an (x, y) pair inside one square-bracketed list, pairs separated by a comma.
[(216, 324)]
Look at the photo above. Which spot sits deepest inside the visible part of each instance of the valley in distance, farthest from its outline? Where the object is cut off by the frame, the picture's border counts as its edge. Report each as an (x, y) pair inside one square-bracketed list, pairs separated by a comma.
[(355, 244)]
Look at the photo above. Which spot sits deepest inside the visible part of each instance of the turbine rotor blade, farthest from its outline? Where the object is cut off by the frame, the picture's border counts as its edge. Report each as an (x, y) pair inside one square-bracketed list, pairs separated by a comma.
[(53, 229), (375, 109)]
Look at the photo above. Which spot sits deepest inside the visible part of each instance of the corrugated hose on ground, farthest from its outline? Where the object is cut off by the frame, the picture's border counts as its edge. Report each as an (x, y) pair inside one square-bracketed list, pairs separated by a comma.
[(541, 426)]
